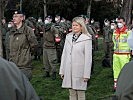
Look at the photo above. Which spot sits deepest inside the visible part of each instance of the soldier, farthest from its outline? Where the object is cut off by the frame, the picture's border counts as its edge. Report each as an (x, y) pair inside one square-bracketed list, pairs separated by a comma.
[(10, 26), (91, 31), (39, 30), (60, 29), (51, 37), (4, 31), (21, 41), (107, 37), (112, 28), (63, 28)]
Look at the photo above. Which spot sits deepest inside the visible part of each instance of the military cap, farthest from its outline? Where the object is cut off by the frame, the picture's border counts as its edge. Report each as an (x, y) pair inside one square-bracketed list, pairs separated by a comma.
[(18, 12), (57, 15), (113, 21), (49, 16)]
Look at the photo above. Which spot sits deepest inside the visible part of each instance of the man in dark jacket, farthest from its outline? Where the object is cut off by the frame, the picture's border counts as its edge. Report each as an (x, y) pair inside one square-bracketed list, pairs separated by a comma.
[(21, 41), (13, 83)]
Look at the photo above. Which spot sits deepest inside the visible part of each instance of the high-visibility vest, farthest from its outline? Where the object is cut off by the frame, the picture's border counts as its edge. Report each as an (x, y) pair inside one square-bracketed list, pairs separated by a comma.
[(120, 42)]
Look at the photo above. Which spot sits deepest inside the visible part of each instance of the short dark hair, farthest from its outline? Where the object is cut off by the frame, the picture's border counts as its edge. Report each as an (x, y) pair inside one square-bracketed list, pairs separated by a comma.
[(120, 17)]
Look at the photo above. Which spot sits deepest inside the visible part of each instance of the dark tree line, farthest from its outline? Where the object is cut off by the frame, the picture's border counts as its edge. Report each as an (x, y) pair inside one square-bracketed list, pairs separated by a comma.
[(100, 9)]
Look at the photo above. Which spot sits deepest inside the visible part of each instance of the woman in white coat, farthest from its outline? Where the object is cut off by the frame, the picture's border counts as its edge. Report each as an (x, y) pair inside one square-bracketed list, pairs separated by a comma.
[(75, 68)]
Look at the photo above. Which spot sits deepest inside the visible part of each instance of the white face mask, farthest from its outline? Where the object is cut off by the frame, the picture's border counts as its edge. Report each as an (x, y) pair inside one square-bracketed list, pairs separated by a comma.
[(39, 20), (9, 25), (92, 21), (56, 19), (62, 21), (112, 26), (120, 25), (46, 21), (106, 24)]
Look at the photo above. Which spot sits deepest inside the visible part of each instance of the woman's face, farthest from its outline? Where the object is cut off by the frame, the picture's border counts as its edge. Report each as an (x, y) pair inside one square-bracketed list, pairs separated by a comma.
[(77, 28)]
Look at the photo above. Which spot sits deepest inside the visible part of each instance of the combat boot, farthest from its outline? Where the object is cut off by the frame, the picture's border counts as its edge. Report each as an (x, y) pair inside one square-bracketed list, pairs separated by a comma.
[(54, 76)]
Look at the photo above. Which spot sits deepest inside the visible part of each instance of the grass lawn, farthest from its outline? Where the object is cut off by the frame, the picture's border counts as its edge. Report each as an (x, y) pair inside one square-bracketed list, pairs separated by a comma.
[(99, 87)]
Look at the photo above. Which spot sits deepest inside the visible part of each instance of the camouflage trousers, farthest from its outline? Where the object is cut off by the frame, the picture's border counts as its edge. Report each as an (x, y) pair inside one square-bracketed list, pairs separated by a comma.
[(50, 60)]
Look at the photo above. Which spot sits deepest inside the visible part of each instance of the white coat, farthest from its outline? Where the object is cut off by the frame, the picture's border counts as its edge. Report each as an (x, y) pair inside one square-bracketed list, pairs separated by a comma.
[(76, 62)]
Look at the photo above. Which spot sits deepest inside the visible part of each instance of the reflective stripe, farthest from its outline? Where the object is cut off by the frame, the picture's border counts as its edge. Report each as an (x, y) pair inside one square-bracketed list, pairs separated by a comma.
[(121, 40), (122, 51)]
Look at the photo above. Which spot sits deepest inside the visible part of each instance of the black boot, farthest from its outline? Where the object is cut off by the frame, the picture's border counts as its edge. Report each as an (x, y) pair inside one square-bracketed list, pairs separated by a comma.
[(54, 76), (47, 74)]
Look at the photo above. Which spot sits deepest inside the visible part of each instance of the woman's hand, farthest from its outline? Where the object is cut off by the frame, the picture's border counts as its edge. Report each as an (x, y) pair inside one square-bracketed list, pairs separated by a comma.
[(62, 76), (86, 79)]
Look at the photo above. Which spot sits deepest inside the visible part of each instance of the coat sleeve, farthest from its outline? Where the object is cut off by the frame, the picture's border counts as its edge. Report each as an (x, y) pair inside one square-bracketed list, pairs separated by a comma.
[(88, 58), (30, 93), (55, 31), (31, 38), (61, 71)]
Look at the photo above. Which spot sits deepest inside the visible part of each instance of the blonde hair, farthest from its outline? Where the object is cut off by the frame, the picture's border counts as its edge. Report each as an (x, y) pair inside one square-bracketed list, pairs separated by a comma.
[(81, 21)]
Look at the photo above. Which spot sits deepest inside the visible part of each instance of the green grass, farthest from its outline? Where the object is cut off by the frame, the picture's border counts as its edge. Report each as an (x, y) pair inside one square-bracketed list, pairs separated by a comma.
[(99, 86)]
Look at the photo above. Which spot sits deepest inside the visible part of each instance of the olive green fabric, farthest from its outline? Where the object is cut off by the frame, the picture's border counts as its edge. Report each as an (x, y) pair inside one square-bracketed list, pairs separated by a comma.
[(21, 42), (14, 85), (49, 36)]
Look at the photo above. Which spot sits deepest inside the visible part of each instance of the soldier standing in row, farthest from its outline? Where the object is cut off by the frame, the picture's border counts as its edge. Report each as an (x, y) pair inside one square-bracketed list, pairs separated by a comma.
[(39, 30), (21, 41), (4, 31), (49, 48), (107, 38)]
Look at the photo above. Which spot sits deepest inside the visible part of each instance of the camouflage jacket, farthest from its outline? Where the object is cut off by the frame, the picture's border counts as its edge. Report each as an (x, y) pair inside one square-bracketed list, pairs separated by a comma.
[(49, 36), (21, 42)]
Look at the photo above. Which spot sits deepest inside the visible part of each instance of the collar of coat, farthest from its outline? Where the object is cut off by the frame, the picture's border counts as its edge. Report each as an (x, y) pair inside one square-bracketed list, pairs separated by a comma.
[(81, 38)]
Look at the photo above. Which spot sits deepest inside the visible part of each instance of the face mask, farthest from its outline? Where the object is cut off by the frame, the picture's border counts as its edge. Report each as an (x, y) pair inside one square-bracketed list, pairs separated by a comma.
[(39, 20), (46, 21), (106, 24), (56, 19), (120, 25), (62, 21), (112, 26), (92, 21), (9, 25)]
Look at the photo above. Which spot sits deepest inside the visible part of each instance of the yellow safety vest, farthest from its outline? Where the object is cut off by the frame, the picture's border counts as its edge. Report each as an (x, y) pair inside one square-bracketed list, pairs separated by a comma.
[(120, 42)]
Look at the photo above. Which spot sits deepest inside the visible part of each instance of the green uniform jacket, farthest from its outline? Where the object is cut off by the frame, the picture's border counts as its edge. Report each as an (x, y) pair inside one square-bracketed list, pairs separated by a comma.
[(49, 36), (21, 42), (13, 83), (107, 34), (124, 89)]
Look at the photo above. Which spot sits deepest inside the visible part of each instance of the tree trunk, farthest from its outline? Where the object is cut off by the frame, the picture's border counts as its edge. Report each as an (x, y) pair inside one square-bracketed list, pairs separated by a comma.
[(89, 8), (3, 4), (126, 11), (45, 9)]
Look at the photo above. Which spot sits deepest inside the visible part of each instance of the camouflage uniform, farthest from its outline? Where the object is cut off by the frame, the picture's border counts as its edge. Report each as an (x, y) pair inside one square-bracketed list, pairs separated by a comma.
[(39, 30), (49, 50), (63, 30), (107, 40), (92, 32), (21, 42), (4, 31)]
